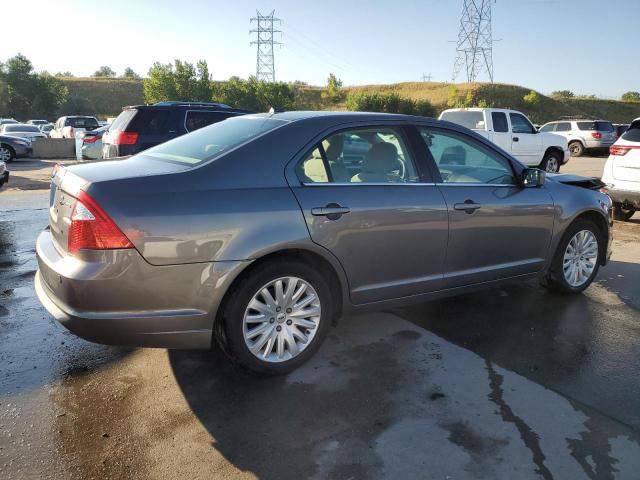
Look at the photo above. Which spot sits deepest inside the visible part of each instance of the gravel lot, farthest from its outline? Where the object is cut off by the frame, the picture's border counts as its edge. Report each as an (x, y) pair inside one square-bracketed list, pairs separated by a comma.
[(509, 383)]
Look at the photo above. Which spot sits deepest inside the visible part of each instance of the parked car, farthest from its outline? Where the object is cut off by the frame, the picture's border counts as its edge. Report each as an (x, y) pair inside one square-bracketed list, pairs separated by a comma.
[(4, 174), (583, 135), (8, 120), (251, 232), (89, 144), (37, 122), (619, 129), (21, 130), (13, 147), (514, 133), (46, 129), (143, 126), (66, 127), (622, 173)]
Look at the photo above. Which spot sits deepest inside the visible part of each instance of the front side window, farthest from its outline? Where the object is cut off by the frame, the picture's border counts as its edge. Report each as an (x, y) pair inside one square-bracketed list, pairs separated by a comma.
[(463, 160), (367, 155), (519, 124), (499, 122)]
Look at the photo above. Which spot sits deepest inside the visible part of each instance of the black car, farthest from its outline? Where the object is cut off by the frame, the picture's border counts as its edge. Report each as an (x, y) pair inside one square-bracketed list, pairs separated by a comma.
[(143, 126), (619, 129), (13, 147)]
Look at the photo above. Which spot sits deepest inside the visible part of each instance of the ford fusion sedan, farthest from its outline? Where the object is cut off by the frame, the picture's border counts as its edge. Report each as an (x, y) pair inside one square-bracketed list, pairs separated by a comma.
[(256, 233)]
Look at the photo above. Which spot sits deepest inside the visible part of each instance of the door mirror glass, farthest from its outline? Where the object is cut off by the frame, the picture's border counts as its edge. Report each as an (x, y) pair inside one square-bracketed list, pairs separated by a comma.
[(533, 177)]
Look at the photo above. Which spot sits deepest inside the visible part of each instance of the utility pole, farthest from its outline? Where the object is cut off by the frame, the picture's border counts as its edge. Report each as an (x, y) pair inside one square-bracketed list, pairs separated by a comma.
[(426, 78), (265, 66), (474, 50)]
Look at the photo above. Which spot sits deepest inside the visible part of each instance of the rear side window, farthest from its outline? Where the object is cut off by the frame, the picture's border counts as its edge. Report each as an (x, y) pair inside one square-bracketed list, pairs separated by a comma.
[(198, 119), (472, 120), (150, 121), (211, 142), (598, 126), (499, 122), (122, 120), (633, 133)]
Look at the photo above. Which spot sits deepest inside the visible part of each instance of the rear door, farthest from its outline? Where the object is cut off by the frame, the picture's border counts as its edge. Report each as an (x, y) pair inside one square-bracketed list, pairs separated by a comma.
[(526, 144), (374, 210), (497, 228), (501, 135)]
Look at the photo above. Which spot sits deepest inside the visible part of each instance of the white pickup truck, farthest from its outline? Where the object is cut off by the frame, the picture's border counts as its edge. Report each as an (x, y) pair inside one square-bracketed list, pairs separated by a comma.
[(514, 133)]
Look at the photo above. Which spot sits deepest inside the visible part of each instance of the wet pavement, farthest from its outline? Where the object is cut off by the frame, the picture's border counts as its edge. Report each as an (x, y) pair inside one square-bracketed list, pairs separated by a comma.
[(508, 383)]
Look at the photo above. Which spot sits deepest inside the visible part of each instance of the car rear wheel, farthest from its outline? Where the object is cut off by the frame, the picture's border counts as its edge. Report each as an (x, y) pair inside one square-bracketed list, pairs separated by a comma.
[(277, 317), (576, 149), (551, 162), (6, 154), (620, 212), (577, 259)]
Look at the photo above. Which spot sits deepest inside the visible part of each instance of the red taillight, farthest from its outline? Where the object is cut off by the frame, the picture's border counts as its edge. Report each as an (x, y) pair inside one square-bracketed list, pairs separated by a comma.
[(621, 149), (596, 135), (91, 228), (91, 139), (125, 138)]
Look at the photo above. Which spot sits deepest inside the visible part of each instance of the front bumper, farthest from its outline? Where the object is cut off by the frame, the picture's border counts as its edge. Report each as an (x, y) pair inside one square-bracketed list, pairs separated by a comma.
[(115, 297), (626, 197)]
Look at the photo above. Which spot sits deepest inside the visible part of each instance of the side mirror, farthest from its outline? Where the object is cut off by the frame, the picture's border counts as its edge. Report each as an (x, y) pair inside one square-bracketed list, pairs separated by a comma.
[(533, 177)]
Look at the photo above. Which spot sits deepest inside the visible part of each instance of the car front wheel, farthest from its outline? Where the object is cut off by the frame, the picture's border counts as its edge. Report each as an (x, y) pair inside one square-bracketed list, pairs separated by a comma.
[(6, 154), (277, 317), (577, 259)]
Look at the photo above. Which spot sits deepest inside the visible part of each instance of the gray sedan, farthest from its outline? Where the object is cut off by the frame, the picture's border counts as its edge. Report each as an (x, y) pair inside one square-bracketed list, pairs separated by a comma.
[(13, 147), (256, 233)]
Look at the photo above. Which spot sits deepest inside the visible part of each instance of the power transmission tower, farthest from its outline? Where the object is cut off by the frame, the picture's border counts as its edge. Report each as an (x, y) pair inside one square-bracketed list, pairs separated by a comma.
[(474, 50), (265, 66), (426, 78)]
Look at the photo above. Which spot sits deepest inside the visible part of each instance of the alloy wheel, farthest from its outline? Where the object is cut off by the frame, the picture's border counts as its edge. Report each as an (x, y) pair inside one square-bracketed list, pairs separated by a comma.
[(580, 258), (281, 319), (5, 154)]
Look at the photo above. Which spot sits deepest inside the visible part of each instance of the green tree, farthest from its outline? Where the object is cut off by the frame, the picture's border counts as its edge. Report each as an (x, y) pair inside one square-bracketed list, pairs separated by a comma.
[(104, 71), (333, 91), (185, 80), (390, 102), (66, 74), (255, 95), (24, 93), (130, 74), (563, 94), (160, 84), (532, 98), (630, 97), (202, 88)]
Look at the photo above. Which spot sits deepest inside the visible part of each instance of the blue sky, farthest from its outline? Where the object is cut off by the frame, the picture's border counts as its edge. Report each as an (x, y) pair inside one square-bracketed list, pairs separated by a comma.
[(581, 45)]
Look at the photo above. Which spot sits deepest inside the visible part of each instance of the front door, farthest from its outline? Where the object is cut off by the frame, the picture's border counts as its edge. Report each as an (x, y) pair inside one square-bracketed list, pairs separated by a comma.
[(526, 142), (375, 213), (497, 228)]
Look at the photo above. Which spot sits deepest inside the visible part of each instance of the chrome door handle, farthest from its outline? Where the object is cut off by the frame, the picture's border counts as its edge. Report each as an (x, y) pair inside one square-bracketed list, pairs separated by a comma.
[(469, 206), (332, 211)]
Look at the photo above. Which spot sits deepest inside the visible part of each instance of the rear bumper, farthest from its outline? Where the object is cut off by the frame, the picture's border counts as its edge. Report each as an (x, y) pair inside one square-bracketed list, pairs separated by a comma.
[(598, 143), (115, 297), (627, 197)]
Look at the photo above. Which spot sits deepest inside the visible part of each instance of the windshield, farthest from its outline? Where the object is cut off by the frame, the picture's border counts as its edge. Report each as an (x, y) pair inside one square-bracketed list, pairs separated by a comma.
[(209, 142), (21, 128), (471, 120)]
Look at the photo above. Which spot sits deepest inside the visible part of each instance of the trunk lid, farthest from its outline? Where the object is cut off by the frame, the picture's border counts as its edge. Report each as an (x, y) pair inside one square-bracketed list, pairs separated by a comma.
[(627, 167)]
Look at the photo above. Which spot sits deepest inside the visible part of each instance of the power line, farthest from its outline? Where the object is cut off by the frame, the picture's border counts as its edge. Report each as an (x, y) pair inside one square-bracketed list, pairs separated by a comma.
[(265, 65), (474, 50)]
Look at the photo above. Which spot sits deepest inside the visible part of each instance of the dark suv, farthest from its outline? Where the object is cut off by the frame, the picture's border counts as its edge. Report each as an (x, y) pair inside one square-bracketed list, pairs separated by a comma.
[(143, 126)]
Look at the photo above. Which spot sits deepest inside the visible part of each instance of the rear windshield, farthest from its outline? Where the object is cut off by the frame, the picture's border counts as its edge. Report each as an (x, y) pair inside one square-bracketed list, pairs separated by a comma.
[(471, 120), (633, 133), (598, 126), (210, 142), (82, 122), (21, 128)]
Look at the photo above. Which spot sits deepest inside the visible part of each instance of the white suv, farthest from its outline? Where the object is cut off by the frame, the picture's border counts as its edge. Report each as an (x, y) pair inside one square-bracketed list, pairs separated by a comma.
[(583, 135), (622, 173)]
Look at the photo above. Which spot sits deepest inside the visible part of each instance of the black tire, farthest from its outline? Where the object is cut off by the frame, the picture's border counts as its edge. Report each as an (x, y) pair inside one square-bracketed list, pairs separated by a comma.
[(240, 296), (576, 148), (551, 162), (554, 280), (621, 213), (11, 153)]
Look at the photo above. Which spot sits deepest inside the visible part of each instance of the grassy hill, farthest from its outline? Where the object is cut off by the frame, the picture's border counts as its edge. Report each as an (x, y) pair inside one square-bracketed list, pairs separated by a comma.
[(108, 96)]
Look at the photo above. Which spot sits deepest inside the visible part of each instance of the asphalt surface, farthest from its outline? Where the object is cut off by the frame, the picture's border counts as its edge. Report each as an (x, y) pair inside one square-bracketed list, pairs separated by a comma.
[(509, 383)]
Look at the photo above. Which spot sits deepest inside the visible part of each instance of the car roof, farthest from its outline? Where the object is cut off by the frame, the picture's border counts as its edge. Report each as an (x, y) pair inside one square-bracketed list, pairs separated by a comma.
[(187, 105), (293, 116)]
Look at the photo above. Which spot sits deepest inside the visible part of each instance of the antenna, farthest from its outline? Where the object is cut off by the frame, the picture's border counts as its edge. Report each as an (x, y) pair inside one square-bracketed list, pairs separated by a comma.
[(265, 66), (474, 50)]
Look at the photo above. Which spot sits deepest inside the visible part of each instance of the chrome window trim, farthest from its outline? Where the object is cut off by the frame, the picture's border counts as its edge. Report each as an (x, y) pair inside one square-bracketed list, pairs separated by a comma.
[(453, 184), (359, 184)]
